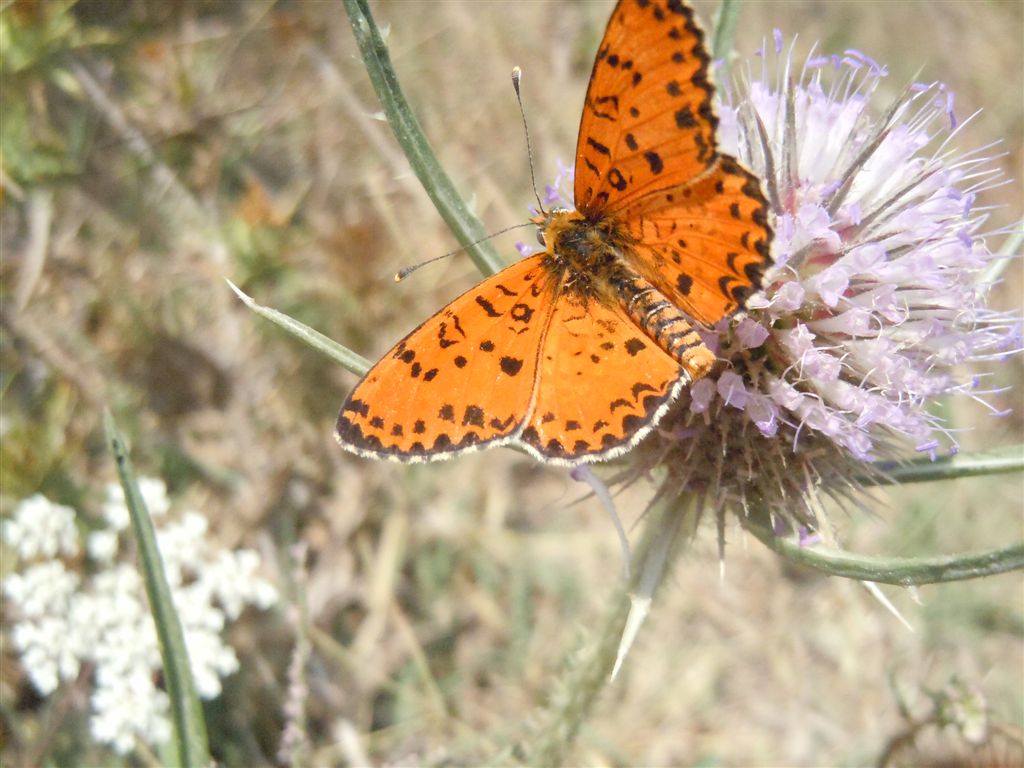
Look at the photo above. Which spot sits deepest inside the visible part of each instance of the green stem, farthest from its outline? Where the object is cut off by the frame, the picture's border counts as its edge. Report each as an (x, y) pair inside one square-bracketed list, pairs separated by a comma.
[(414, 143), (186, 710), (994, 462), (904, 572)]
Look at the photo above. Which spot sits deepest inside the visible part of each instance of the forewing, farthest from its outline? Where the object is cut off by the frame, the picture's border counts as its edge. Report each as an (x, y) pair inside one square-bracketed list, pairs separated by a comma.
[(706, 244), (462, 380), (648, 122), (602, 384)]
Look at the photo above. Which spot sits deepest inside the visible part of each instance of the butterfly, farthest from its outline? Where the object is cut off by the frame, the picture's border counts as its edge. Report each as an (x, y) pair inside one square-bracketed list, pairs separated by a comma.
[(575, 353)]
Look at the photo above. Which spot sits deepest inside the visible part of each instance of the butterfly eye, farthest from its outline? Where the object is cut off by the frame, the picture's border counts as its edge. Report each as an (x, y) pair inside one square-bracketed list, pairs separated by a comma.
[(540, 238)]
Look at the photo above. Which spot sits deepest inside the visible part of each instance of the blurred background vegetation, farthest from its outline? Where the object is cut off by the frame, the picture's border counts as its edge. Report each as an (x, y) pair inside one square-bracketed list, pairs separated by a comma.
[(149, 149)]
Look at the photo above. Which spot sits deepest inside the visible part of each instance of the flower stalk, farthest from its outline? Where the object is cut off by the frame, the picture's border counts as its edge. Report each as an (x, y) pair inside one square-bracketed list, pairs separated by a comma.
[(438, 185), (923, 470), (901, 572)]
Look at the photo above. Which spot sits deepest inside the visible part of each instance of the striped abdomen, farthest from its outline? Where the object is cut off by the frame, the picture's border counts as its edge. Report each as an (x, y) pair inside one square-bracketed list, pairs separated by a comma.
[(665, 324)]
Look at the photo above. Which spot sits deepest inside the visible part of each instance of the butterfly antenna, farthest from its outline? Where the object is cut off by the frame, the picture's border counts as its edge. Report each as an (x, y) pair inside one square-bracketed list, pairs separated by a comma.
[(517, 74), (404, 272)]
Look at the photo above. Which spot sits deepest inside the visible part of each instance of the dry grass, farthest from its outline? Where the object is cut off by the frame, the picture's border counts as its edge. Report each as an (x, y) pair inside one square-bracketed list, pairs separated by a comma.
[(241, 140)]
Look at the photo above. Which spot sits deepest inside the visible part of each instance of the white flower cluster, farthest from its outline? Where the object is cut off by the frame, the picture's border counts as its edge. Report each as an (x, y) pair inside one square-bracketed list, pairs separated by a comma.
[(64, 621)]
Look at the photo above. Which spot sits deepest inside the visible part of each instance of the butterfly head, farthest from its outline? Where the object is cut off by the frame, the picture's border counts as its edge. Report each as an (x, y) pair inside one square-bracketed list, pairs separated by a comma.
[(584, 255), (547, 221)]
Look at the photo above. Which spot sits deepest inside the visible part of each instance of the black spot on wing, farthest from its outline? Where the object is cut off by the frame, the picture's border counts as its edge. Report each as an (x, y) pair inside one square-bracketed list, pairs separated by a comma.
[(487, 307), (510, 366), (598, 147), (501, 426), (521, 313), (474, 415), (357, 406), (631, 423), (639, 388), (634, 346), (754, 272), (654, 161), (685, 119)]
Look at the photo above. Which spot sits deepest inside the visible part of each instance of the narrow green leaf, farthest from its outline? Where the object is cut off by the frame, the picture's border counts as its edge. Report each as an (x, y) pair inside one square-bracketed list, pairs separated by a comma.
[(407, 130), (186, 711), (349, 359), (902, 572)]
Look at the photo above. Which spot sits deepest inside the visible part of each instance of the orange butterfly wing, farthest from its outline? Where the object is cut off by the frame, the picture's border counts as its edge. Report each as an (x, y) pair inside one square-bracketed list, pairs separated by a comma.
[(707, 249), (461, 380), (509, 363), (602, 384), (646, 155), (648, 122)]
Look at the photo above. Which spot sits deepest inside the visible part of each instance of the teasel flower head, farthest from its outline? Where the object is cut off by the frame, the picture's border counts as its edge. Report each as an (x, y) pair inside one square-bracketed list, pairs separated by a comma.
[(873, 307)]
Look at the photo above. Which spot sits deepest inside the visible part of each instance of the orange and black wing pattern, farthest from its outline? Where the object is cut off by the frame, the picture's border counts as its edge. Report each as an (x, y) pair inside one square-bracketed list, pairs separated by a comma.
[(647, 156), (708, 247), (648, 122), (462, 380), (602, 383), (574, 354)]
